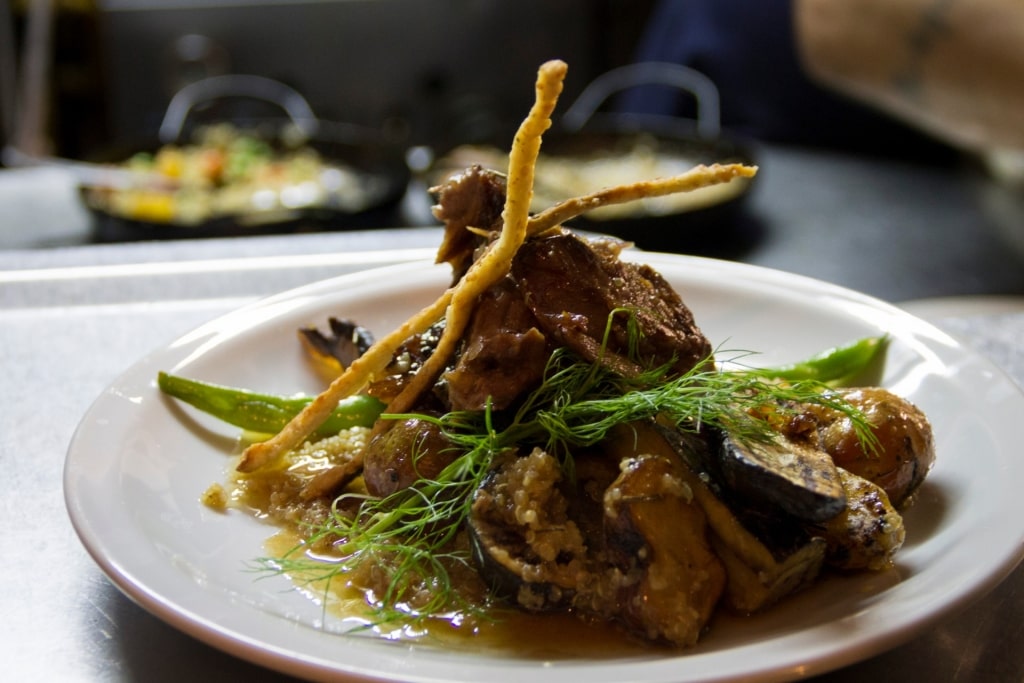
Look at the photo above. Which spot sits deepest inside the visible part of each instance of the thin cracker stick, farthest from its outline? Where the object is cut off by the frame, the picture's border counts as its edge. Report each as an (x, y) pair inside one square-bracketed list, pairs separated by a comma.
[(357, 374), (496, 261), (694, 179), (456, 300)]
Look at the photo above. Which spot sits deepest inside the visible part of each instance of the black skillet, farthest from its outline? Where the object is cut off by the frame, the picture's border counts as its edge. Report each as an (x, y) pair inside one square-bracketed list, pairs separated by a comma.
[(582, 133), (378, 164)]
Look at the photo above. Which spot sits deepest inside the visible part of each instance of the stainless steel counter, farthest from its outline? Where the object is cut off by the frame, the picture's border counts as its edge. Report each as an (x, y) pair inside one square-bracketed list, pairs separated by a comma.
[(72, 318), (67, 328)]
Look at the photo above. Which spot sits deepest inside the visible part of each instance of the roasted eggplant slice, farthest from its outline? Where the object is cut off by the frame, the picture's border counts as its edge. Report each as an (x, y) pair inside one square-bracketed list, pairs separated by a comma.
[(767, 554), (523, 541), (673, 579), (794, 477)]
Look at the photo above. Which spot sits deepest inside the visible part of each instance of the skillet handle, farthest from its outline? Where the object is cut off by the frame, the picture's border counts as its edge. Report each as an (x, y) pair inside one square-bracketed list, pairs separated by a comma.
[(664, 73), (236, 85)]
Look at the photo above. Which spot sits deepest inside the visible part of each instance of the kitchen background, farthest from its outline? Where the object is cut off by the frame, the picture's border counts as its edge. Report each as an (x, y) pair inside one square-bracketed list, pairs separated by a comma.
[(426, 69), (92, 79)]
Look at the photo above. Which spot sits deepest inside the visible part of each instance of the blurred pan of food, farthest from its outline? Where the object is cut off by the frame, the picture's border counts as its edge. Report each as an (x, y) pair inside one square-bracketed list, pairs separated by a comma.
[(245, 177), (589, 151)]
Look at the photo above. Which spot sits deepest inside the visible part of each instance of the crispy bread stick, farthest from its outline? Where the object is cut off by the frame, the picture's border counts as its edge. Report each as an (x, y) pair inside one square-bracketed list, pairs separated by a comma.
[(456, 303), (695, 178), (356, 375), (497, 260)]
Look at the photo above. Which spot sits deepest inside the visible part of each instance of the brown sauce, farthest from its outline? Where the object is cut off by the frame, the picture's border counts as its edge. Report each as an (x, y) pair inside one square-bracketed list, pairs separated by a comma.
[(505, 632)]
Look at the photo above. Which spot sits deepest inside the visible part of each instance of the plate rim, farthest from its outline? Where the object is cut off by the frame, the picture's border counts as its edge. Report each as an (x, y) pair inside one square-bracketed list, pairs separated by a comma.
[(284, 660)]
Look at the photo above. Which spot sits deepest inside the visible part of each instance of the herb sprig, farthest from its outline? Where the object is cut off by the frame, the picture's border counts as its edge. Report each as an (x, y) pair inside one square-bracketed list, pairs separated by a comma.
[(412, 531)]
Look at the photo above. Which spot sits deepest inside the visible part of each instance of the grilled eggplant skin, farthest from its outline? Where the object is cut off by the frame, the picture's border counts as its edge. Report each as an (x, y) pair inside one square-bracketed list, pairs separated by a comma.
[(767, 553), (779, 475), (867, 533), (794, 477), (904, 448)]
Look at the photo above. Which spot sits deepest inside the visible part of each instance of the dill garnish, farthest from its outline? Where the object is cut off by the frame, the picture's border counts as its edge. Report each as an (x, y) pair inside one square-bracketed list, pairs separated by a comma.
[(412, 534)]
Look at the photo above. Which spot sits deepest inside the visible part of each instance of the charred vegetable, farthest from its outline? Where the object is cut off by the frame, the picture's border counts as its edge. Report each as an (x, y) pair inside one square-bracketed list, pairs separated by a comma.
[(899, 452), (798, 478), (867, 533), (336, 350), (767, 553), (672, 577), (601, 546), (525, 544)]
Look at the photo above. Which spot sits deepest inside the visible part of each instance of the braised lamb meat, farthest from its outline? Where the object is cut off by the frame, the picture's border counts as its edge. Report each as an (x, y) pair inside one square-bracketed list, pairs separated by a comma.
[(561, 292), (503, 354), (473, 199), (572, 288)]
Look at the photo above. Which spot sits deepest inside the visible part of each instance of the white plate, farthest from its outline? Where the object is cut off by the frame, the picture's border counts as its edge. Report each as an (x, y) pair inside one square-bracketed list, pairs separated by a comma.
[(135, 470)]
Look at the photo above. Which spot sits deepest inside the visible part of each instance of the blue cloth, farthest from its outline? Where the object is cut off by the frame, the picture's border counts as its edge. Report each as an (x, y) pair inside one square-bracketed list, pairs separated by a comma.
[(748, 48)]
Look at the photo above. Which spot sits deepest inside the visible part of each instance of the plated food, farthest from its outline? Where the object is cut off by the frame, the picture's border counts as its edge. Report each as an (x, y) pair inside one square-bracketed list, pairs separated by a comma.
[(231, 172), (228, 179), (589, 148), (600, 163), (555, 432), (137, 462)]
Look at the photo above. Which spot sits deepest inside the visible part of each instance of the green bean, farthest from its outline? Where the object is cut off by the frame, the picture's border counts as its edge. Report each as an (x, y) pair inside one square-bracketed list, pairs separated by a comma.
[(836, 366), (267, 414), (264, 413)]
